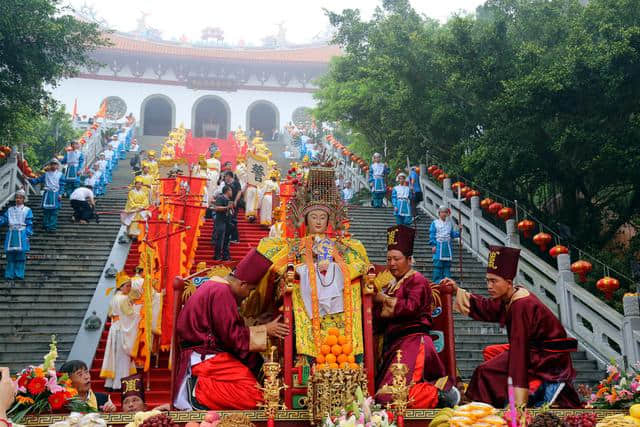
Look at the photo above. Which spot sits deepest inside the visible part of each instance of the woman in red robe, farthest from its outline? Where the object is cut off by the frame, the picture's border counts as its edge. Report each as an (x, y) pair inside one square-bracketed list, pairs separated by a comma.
[(538, 356), (216, 347), (402, 314)]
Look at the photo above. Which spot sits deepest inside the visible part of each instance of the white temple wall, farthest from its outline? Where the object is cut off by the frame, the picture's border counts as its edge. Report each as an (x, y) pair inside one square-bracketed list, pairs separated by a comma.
[(91, 92)]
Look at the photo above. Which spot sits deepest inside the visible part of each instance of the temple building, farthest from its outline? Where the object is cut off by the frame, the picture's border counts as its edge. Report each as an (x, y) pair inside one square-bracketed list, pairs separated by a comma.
[(210, 89)]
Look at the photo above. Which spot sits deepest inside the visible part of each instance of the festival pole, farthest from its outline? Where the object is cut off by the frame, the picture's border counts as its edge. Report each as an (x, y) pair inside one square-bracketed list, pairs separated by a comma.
[(460, 231)]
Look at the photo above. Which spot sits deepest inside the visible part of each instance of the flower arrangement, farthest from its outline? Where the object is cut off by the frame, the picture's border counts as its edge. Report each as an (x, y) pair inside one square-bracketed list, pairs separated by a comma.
[(362, 412), (41, 389), (621, 389)]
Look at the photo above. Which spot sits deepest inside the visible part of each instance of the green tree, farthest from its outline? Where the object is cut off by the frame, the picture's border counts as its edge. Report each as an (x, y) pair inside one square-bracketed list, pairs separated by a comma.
[(40, 43)]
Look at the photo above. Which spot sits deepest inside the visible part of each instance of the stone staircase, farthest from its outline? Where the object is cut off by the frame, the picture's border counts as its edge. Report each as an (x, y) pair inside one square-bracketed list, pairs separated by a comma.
[(62, 270), (369, 225)]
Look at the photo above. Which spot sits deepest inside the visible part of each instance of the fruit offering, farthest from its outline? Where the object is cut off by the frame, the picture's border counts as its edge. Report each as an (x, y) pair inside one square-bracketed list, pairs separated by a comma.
[(619, 420), (547, 419), (336, 352), (476, 414), (588, 419), (162, 420)]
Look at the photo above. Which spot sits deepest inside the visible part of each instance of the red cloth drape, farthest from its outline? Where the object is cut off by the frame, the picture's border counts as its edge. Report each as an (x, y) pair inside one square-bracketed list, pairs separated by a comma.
[(423, 395), (194, 147), (225, 383), (491, 351)]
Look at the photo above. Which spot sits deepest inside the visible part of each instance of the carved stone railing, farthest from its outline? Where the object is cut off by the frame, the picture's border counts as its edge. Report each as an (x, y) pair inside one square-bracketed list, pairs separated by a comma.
[(12, 179), (602, 331)]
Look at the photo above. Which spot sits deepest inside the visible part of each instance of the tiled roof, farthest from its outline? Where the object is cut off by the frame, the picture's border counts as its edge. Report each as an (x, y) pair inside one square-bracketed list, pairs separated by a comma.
[(311, 54)]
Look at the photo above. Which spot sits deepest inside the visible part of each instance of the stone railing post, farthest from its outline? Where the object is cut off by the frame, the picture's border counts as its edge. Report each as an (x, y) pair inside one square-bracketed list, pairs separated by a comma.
[(563, 282), (476, 215), (423, 176), (513, 238), (447, 194), (631, 329)]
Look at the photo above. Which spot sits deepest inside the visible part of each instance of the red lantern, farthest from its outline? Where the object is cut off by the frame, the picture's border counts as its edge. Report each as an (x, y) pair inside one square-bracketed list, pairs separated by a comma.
[(89, 133), (581, 268), (526, 226), (505, 213), (463, 191), (495, 207), (82, 141), (457, 184), (485, 203), (471, 193), (2, 155), (442, 177), (431, 168), (353, 157), (608, 285), (365, 169), (345, 151), (437, 172), (557, 250), (542, 240), (417, 170), (6, 149)]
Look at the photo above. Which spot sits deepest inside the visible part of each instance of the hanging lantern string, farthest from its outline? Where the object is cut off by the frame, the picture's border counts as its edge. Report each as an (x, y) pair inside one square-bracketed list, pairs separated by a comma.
[(527, 214)]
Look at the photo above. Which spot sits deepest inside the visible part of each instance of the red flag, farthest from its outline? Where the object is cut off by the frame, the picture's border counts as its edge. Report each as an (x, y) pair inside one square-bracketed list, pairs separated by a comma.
[(102, 112)]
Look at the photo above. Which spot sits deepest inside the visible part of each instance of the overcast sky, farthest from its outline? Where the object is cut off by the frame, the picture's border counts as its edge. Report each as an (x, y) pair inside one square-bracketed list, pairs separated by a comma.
[(247, 20)]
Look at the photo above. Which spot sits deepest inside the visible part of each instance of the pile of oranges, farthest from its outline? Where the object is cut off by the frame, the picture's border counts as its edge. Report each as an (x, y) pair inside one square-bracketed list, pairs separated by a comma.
[(336, 352)]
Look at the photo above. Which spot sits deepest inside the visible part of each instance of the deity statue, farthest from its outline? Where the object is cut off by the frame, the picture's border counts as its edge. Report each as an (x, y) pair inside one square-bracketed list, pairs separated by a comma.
[(328, 267)]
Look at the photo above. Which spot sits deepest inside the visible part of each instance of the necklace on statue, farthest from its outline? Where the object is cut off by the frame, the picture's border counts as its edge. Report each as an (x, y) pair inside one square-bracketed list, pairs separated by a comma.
[(322, 277)]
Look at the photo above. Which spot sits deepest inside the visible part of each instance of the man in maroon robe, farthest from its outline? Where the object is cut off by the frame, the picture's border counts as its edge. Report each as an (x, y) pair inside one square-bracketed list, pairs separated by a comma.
[(215, 345), (402, 314), (537, 359)]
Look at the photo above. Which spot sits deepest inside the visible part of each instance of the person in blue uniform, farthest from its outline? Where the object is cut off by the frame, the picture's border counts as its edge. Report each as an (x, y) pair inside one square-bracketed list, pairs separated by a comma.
[(74, 159), (416, 190), (53, 182), (401, 201), (16, 243), (440, 234), (377, 173)]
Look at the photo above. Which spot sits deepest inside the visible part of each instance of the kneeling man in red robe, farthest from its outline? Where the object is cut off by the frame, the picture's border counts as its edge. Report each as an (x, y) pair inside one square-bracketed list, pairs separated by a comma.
[(402, 314), (218, 359), (538, 356)]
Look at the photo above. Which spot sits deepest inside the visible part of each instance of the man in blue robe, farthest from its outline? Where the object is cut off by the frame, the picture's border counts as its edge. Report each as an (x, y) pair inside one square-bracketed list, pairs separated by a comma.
[(16, 243), (54, 182), (440, 234), (74, 159), (377, 173), (401, 201)]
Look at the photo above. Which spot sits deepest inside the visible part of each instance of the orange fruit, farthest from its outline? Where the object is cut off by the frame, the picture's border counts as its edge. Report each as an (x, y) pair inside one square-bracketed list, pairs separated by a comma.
[(354, 366), (333, 331), (342, 340), (320, 358), (342, 358), (333, 366), (320, 366), (336, 349), (350, 358), (330, 358), (325, 349), (347, 348), (331, 340), (344, 365)]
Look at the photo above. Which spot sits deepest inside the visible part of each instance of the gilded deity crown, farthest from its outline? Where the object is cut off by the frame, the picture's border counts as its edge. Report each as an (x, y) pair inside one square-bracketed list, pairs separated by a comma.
[(318, 192)]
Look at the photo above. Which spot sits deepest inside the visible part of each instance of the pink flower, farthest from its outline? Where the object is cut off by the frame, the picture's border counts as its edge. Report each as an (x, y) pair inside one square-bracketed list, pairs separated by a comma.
[(625, 395), (52, 385), (634, 386)]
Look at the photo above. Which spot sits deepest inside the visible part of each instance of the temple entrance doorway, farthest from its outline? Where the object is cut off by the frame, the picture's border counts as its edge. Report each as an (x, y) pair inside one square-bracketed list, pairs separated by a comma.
[(158, 115), (263, 116), (210, 117)]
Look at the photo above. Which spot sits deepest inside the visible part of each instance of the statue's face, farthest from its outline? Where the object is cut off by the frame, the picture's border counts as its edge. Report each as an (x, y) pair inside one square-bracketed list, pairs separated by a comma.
[(317, 221)]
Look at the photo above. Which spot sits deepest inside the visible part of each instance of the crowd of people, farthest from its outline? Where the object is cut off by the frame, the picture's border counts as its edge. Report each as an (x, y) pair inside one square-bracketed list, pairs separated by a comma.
[(215, 343), (63, 177)]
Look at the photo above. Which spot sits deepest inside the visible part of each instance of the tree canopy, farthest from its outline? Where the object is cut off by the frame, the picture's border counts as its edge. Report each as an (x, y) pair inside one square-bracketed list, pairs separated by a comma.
[(41, 42), (536, 99)]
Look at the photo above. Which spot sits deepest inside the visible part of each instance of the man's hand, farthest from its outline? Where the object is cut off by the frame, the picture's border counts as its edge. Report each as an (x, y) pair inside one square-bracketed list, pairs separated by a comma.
[(108, 407), (277, 329), (449, 282), (163, 408), (433, 250), (378, 297), (7, 392)]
